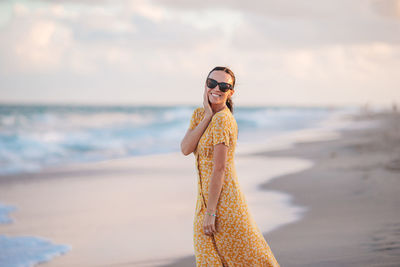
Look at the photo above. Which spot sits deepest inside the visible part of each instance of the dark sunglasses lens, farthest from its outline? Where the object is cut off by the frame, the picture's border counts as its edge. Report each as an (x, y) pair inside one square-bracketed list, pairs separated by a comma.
[(224, 87), (211, 83)]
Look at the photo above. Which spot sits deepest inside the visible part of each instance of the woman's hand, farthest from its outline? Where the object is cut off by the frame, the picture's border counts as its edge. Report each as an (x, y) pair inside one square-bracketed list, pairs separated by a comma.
[(207, 107), (209, 225)]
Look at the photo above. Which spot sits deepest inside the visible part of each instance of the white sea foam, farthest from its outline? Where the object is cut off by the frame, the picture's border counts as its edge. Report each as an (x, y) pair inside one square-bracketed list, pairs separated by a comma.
[(25, 251), (34, 137)]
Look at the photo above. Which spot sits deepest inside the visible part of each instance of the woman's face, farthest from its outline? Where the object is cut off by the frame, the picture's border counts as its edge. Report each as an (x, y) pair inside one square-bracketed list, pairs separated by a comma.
[(215, 95)]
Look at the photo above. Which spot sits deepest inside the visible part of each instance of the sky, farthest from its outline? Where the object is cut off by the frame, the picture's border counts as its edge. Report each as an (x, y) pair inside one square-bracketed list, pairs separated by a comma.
[(286, 52)]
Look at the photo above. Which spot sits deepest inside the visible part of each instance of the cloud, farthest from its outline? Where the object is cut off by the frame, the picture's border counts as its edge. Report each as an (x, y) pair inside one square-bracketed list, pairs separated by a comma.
[(38, 46), (59, 38), (389, 8), (306, 22), (160, 51)]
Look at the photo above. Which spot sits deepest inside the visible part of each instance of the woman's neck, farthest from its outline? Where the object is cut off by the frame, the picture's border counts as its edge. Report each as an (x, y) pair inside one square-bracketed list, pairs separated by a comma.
[(217, 107)]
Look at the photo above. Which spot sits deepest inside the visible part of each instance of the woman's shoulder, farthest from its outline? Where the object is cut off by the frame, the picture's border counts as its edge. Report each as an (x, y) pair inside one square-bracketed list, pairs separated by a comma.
[(199, 110), (223, 117)]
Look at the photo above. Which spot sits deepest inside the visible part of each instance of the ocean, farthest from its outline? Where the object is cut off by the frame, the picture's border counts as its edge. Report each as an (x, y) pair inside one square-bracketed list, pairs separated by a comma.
[(33, 137)]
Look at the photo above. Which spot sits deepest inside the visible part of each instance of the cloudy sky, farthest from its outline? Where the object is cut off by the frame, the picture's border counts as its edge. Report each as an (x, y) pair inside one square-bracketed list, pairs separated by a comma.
[(289, 52)]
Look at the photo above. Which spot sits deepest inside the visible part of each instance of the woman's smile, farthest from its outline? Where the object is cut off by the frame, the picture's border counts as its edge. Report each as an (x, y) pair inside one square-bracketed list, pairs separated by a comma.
[(216, 96)]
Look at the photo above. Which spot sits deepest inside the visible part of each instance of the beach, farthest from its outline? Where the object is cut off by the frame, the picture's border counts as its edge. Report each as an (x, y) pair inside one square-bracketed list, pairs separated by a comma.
[(97, 99), (327, 202), (135, 211), (352, 195)]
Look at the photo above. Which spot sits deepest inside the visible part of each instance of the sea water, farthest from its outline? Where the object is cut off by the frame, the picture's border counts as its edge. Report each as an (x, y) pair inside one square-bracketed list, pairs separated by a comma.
[(21, 251), (35, 136)]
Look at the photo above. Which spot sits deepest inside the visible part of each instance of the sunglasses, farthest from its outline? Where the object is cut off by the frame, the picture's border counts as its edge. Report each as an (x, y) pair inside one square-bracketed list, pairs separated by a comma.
[(224, 87)]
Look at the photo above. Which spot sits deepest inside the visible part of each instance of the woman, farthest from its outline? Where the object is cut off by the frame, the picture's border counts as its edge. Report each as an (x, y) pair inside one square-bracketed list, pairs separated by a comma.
[(225, 233)]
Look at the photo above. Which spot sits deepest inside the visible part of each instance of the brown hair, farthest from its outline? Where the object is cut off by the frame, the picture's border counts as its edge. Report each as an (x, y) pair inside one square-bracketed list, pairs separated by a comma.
[(229, 101)]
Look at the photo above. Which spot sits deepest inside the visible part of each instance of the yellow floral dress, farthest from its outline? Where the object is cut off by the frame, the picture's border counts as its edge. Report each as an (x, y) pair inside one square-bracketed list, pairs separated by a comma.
[(238, 241)]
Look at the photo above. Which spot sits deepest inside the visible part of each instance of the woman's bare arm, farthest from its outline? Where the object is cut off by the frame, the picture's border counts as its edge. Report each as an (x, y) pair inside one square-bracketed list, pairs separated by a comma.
[(192, 137), (217, 176)]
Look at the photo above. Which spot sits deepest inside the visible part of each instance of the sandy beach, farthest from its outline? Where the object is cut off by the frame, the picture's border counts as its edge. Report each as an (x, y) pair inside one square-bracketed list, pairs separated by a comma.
[(352, 192), (353, 195), (319, 203)]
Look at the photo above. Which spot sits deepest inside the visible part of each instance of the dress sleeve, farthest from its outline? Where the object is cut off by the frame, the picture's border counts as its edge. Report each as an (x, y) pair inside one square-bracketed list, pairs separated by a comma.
[(220, 129), (194, 121)]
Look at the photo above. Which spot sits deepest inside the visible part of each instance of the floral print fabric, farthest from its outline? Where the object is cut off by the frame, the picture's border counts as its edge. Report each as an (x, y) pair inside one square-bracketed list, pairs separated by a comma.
[(238, 240)]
